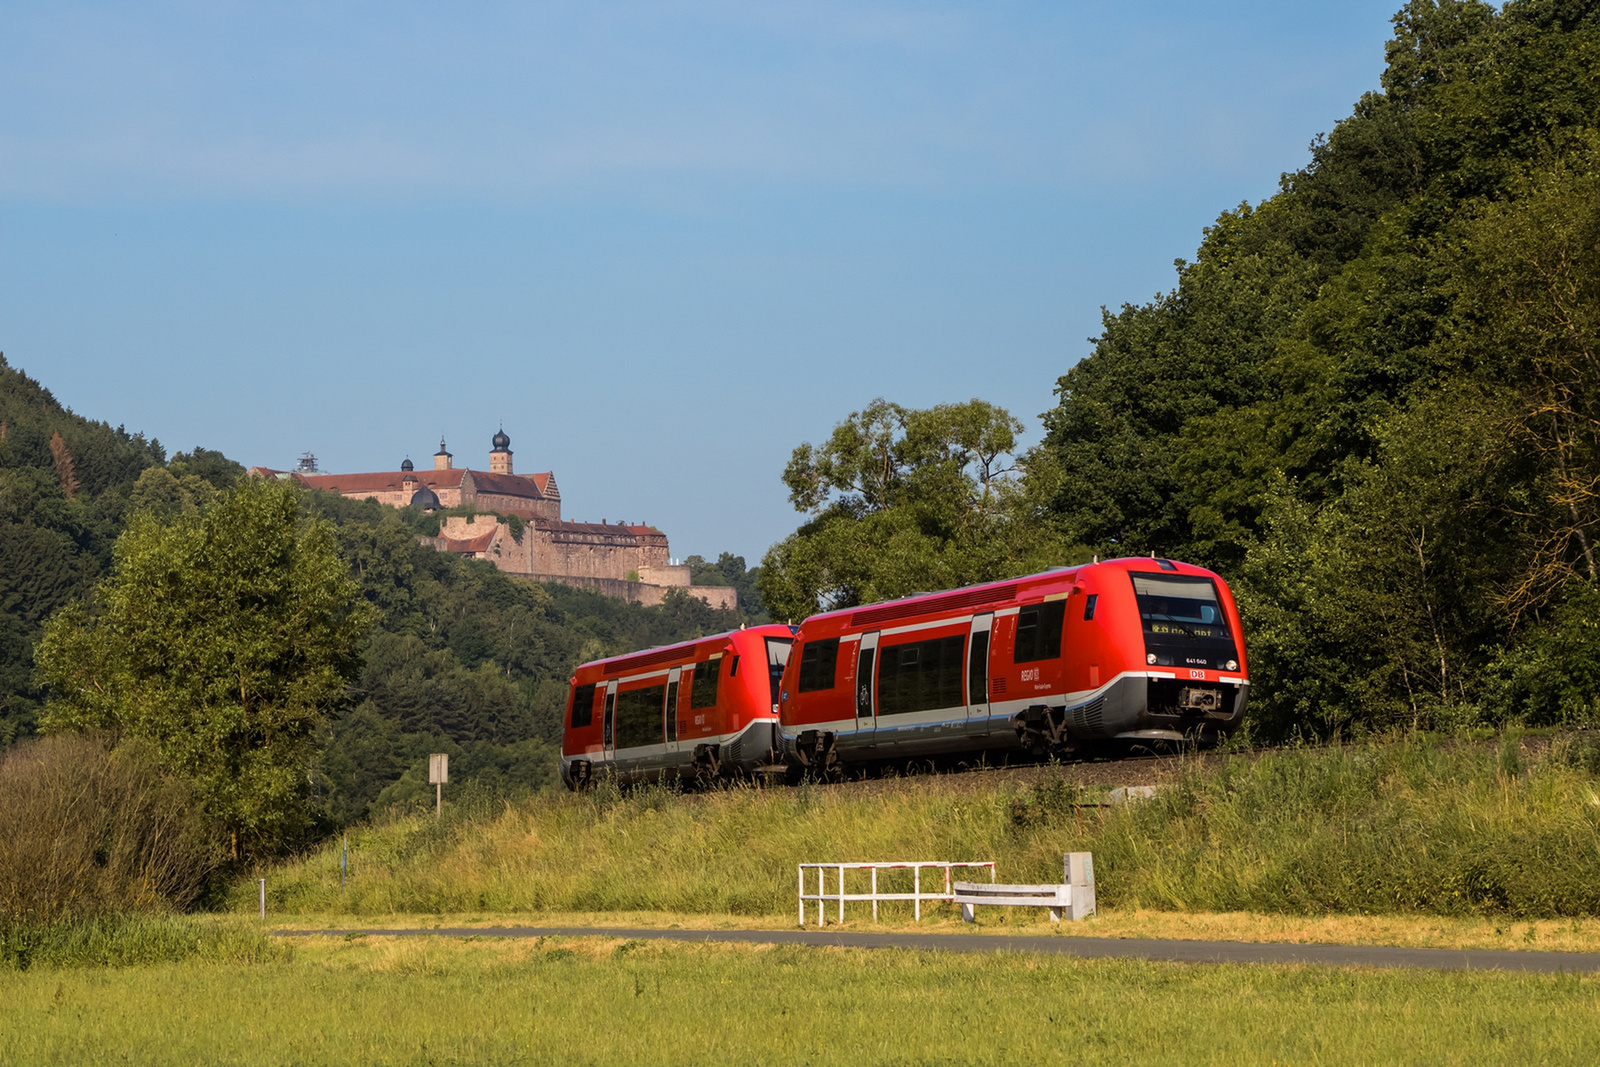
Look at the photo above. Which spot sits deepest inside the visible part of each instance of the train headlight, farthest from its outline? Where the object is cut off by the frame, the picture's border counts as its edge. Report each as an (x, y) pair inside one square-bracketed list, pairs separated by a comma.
[(1233, 664), (1151, 658)]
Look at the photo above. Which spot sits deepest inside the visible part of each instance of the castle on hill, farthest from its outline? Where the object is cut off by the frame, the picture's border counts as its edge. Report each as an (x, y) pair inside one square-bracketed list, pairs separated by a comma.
[(630, 561)]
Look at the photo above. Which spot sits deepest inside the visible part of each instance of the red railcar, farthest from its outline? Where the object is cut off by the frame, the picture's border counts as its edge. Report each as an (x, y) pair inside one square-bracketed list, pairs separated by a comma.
[(696, 709), (1140, 649)]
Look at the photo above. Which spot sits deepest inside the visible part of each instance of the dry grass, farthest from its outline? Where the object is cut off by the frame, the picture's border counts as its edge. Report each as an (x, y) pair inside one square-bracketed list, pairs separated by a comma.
[(1408, 931)]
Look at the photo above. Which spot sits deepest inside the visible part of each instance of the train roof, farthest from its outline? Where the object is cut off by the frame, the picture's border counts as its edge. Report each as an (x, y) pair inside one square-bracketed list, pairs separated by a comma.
[(613, 665), (989, 593)]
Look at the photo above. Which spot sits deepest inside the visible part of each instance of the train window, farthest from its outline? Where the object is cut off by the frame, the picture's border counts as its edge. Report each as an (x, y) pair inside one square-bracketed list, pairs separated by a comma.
[(1184, 607), (1039, 631), (582, 706), (817, 665), (639, 716), (703, 690), (921, 676), (672, 711), (1088, 606), (777, 660), (733, 671)]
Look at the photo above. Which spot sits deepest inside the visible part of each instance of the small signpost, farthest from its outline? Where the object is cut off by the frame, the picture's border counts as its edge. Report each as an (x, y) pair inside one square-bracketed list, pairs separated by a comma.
[(438, 775)]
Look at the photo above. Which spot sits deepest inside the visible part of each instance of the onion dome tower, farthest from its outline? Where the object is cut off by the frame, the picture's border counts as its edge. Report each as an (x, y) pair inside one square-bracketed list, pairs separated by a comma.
[(407, 466), (500, 454)]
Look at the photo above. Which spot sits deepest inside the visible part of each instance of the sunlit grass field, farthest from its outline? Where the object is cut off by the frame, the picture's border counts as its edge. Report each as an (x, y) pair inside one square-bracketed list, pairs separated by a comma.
[(598, 1000), (1403, 828)]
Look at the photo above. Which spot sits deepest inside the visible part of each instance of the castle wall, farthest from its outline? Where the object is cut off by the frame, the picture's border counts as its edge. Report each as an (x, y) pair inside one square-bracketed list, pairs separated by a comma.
[(723, 597), (513, 505), (589, 557)]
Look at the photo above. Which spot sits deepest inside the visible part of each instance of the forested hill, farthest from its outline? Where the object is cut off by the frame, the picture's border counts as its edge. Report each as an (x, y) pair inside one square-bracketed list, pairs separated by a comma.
[(1373, 400), (463, 659), (64, 487)]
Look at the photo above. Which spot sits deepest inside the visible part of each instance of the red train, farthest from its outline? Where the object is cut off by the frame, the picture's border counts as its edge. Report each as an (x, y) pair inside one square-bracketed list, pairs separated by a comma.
[(1131, 650), (694, 710), (1140, 649)]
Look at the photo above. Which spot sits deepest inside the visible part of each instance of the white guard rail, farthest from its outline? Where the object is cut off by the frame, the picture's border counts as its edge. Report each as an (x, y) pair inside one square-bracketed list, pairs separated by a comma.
[(916, 896)]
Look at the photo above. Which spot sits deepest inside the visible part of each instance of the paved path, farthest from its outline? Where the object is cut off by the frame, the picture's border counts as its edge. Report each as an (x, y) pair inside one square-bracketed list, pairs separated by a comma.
[(1083, 947)]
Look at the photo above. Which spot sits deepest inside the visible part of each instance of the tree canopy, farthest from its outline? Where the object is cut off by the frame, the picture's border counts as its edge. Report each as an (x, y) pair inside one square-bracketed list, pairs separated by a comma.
[(224, 637), (902, 500)]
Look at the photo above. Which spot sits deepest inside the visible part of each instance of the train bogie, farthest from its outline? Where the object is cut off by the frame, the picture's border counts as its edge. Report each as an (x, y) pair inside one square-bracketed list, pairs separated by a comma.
[(699, 709), (1133, 650)]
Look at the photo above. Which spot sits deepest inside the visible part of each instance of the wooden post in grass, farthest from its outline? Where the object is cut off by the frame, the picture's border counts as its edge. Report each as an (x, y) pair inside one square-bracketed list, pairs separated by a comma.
[(263, 899), (438, 775)]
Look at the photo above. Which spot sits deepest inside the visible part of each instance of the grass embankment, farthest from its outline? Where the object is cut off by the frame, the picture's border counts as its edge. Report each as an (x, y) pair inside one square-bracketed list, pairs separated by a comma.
[(126, 941), (1409, 827), (594, 1000)]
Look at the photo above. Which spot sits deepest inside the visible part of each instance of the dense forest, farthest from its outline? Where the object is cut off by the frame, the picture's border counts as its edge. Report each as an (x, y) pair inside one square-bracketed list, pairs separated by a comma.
[(461, 658), (1372, 402)]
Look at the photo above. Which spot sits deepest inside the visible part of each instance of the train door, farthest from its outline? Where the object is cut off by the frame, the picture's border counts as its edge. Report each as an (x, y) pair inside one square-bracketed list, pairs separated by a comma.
[(609, 729), (978, 675), (673, 757), (866, 688)]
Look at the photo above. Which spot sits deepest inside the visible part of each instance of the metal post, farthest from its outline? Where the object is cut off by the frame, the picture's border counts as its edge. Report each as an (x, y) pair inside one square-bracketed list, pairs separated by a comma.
[(801, 868), (916, 890), (438, 799), (822, 889), (874, 893), (841, 894), (263, 898)]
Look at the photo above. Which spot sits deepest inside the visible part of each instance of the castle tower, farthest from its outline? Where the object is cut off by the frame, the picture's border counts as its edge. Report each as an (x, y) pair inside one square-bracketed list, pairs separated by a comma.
[(500, 454), (441, 458)]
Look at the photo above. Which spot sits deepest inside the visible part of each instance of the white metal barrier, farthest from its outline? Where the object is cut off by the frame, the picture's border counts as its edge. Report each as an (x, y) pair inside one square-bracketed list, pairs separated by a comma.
[(916, 896)]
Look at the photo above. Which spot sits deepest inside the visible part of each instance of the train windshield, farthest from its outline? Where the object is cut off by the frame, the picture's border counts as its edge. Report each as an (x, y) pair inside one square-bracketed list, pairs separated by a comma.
[(777, 659), (1184, 625)]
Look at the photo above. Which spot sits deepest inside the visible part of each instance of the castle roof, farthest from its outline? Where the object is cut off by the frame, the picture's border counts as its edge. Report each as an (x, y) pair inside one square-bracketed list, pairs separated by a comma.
[(380, 481), (606, 529), (532, 486)]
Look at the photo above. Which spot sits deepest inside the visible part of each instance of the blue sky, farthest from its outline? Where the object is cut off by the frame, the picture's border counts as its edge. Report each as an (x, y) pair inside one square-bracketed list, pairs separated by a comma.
[(662, 242)]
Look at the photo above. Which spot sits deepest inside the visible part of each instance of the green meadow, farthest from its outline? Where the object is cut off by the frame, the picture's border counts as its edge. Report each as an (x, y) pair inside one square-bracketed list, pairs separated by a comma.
[(607, 1000)]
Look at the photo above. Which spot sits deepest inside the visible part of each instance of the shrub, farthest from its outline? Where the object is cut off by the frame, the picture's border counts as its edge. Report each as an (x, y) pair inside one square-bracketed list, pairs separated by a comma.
[(89, 830)]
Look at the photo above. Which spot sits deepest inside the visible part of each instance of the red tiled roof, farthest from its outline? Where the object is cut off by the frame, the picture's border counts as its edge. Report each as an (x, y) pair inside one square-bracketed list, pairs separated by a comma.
[(603, 528), (383, 481), (387, 481), (507, 484), (546, 483)]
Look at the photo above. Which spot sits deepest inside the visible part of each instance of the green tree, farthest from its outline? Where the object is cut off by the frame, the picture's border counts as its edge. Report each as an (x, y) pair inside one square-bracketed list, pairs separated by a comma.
[(903, 500), (223, 638)]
